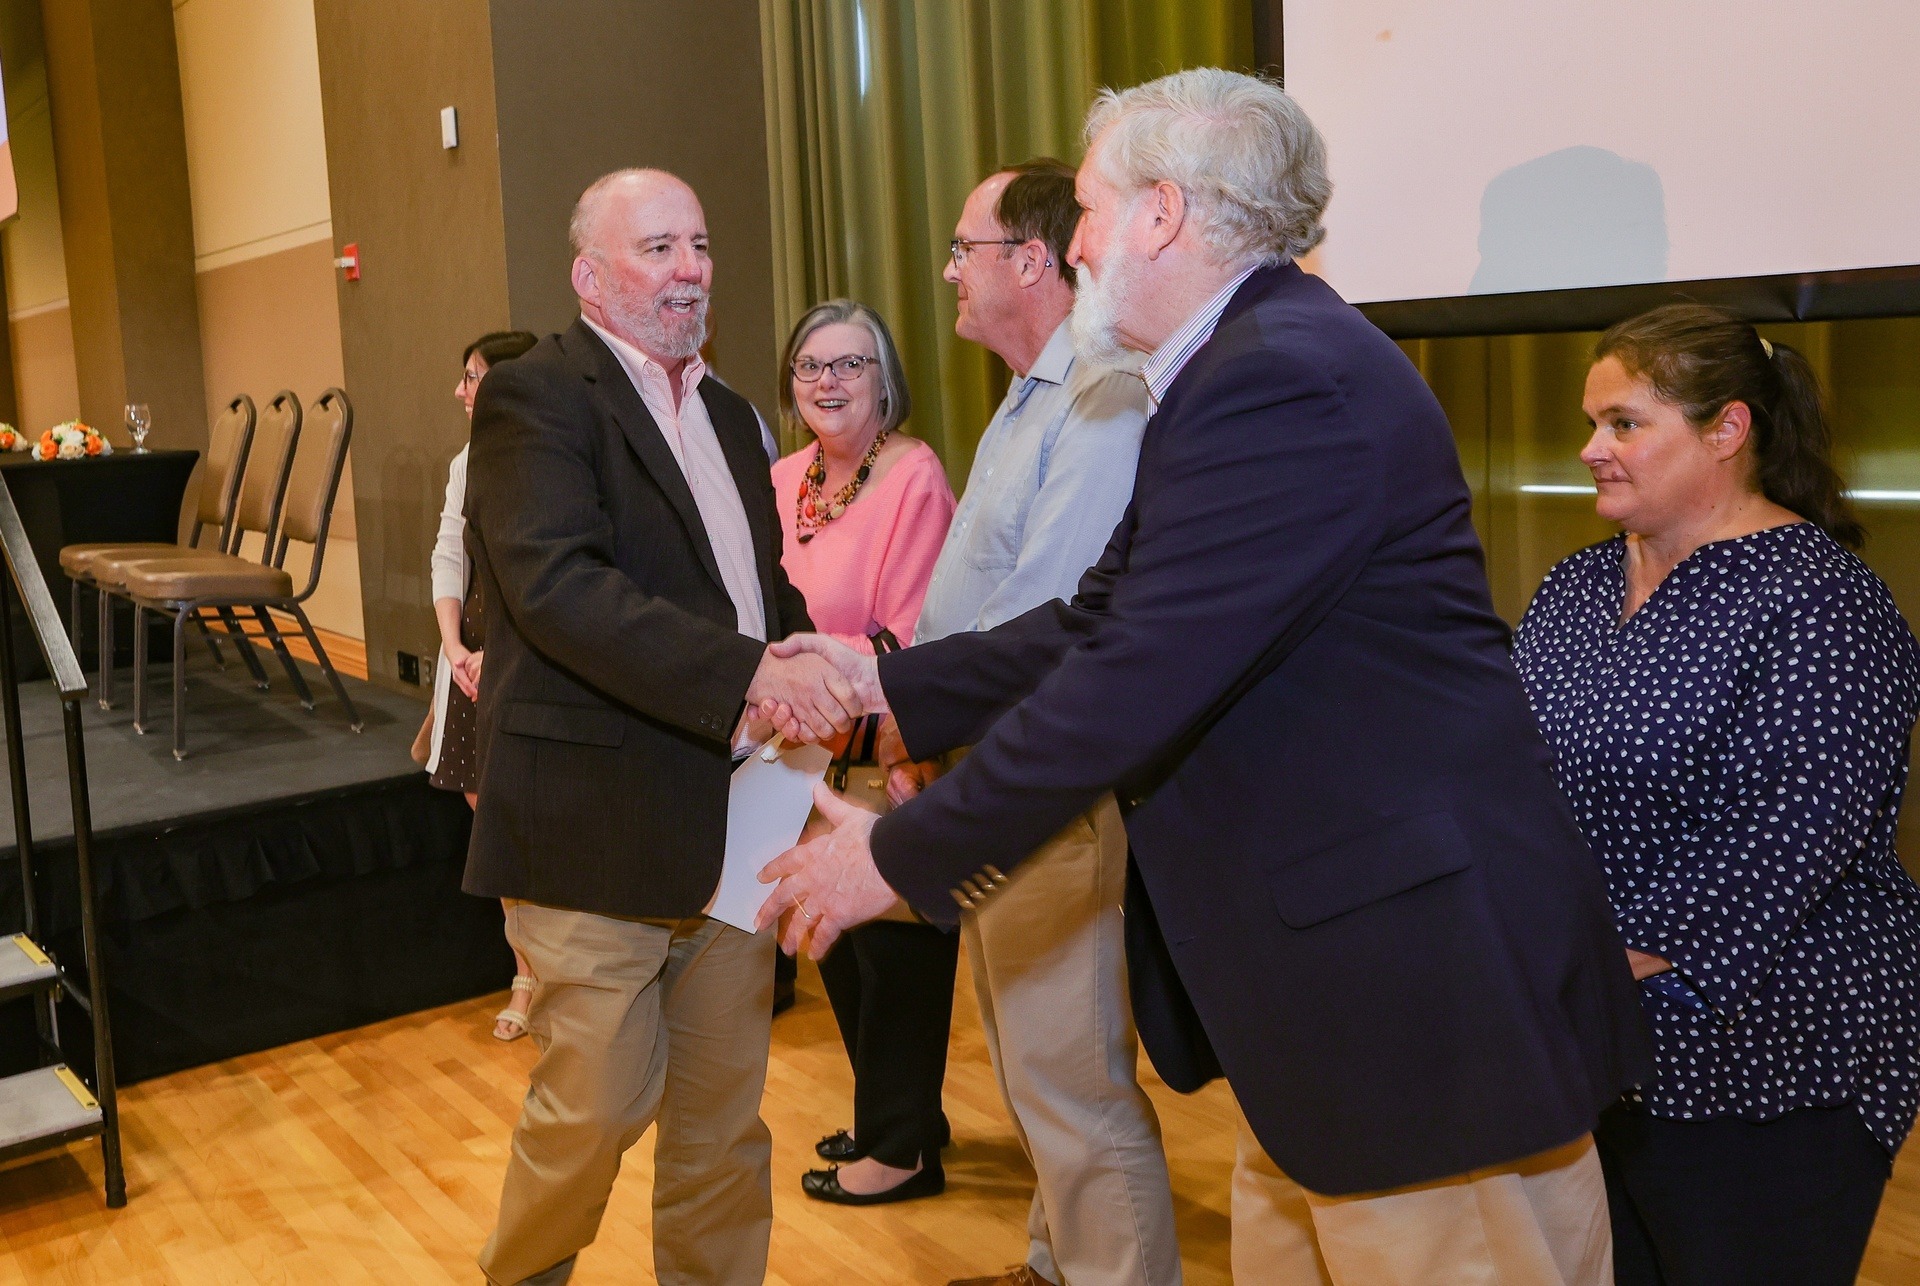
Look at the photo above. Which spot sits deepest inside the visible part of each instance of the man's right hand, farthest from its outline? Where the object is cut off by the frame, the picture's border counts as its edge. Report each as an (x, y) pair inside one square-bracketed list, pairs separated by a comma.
[(813, 695), (855, 674)]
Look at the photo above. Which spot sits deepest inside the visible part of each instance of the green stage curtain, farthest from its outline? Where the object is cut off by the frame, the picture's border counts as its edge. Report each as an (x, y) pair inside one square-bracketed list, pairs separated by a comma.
[(883, 114)]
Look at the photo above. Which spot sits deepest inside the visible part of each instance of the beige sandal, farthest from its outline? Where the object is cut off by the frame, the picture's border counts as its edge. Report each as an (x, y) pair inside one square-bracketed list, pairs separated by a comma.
[(516, 1019)]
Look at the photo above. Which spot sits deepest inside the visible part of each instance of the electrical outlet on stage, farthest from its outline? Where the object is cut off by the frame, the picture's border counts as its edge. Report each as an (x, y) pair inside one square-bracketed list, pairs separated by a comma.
[(409, 668), (426, 671)]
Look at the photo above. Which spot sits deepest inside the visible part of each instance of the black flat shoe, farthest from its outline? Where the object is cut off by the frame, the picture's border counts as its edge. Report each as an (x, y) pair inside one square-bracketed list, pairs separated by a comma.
[(838, 1147), (824, 1185)]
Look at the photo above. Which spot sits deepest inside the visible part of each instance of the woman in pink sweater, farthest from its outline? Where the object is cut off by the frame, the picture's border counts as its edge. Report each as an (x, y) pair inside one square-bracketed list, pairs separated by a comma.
[(865, 510)]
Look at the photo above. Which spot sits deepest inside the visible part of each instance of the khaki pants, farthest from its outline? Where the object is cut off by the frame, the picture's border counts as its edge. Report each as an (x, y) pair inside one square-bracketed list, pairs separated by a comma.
[(1049, 968), (1539, 1221), (641, 1021)]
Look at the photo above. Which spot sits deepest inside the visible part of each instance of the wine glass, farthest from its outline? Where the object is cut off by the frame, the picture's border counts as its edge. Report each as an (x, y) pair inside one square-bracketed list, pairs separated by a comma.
[(139, 420)]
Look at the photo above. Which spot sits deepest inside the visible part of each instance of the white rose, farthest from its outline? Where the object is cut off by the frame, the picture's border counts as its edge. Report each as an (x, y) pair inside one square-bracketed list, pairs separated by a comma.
[(72, 448)]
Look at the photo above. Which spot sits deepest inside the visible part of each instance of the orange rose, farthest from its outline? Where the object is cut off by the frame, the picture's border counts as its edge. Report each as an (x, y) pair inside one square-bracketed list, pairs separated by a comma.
[(93, 444)]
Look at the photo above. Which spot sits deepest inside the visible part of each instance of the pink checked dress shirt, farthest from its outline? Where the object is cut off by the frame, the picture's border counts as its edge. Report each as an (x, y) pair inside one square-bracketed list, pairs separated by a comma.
[(690, 436)]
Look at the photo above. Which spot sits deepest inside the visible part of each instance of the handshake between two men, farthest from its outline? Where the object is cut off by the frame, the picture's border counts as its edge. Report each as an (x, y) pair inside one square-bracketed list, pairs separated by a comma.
[(811, 688)]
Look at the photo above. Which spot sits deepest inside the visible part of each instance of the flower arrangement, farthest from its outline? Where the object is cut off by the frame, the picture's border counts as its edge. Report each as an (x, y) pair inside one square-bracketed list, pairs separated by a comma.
[(12, 439), (71, 441)]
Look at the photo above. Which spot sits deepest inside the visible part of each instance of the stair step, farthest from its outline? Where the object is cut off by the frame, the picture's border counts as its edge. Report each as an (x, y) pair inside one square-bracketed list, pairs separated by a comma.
[(24, 967), (44, 1107)]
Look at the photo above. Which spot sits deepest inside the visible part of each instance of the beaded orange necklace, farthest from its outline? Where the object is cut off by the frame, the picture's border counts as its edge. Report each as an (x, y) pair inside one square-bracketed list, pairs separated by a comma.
[(811, 512)]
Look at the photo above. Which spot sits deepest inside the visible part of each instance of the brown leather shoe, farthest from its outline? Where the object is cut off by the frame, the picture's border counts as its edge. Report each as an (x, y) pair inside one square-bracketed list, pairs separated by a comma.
[(1019, 1275)]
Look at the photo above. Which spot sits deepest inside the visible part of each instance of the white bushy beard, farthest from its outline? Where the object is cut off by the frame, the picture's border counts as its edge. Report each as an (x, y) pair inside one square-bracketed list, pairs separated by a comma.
[(1094, 323), (659, 334)]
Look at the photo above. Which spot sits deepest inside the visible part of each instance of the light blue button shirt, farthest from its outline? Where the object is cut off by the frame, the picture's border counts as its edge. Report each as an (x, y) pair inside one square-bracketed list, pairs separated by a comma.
[(1050, 479)]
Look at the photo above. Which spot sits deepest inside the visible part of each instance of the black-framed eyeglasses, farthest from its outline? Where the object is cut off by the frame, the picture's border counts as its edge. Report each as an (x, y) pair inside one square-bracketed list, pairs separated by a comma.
[(847, 369), (958, 248)]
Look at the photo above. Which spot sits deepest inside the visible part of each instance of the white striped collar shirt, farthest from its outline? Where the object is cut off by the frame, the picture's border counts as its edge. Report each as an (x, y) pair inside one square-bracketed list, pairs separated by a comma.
[(1172, 356)]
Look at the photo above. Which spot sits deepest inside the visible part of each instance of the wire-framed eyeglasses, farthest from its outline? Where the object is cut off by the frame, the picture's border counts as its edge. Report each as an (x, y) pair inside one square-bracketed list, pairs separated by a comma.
[(846, 369), (958, 248)]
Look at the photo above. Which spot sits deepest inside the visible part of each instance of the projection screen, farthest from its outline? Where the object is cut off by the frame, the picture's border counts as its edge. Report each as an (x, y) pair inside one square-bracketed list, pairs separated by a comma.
[(1490, 156)]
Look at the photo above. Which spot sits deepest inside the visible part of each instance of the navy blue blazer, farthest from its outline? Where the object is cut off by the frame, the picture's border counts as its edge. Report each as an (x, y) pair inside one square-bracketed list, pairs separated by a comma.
[(1356, 888)]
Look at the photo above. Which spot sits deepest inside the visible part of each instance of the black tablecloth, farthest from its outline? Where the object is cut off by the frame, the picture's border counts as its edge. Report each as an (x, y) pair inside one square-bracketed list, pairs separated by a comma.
[(122, 496)]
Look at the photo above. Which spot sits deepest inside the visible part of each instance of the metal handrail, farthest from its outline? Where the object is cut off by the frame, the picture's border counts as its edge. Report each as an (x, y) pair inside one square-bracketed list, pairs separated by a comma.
[(25, 577), (62, 663)]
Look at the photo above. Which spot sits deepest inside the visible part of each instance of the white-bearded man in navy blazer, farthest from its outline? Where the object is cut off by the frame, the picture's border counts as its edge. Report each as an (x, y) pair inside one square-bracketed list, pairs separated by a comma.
[(1355, 889)]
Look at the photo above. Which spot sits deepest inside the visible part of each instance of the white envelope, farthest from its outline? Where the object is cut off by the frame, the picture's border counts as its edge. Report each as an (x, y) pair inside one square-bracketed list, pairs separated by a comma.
[(767, 806)]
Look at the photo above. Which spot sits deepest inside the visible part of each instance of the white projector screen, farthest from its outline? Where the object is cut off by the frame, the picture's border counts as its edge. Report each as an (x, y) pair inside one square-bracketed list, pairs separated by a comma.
[(1482, 147)]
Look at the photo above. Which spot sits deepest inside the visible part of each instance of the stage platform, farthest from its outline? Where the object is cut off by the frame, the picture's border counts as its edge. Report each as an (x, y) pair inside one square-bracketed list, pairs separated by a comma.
[(288, 879)]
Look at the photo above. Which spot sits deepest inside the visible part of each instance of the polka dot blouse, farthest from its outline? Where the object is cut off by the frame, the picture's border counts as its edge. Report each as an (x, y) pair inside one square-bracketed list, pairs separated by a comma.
[(1735, 753)]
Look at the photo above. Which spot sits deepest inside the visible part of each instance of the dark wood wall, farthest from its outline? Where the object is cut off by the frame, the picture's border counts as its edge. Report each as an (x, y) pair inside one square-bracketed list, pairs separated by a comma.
[(589, 86), (434, 277)]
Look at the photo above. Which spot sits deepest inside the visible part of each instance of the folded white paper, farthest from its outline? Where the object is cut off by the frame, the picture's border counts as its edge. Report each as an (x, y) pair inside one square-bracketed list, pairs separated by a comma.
[(767, 807)]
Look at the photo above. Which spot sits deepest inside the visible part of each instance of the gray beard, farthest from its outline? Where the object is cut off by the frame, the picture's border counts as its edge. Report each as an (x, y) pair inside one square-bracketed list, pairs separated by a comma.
[(1094, 322), (641, 322)]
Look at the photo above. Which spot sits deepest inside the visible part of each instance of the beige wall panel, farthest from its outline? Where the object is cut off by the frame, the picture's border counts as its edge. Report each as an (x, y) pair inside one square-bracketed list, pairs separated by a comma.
[(429, 226), (43, 373), (36, 261), (335, 605), (270, 323), (120, 147), (256, 142)]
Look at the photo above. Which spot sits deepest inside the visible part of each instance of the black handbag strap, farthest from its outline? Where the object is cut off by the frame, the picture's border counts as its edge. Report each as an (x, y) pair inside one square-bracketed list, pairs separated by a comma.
[(865, 738)]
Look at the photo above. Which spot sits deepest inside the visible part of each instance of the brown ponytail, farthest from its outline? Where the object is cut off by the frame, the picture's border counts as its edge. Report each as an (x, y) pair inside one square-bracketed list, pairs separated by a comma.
[(1701, 359)]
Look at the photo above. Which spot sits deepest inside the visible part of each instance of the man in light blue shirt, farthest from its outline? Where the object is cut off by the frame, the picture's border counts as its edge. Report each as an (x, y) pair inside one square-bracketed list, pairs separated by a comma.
[(1050, 480)]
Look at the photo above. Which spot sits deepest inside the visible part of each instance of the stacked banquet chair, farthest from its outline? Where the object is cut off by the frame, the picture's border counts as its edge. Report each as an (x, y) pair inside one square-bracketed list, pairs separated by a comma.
[(190, 581), (256, 509), (230, 440)]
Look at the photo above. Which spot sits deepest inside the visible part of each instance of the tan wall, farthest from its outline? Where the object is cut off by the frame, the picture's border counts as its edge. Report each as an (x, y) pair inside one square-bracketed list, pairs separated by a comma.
[(256, 162), (119, 146), (43, 374), (45, 384), (272, 322), (256, 144)]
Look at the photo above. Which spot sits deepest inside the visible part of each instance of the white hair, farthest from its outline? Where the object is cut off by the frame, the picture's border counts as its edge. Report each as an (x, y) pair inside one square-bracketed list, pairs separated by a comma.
[(1252, 166)]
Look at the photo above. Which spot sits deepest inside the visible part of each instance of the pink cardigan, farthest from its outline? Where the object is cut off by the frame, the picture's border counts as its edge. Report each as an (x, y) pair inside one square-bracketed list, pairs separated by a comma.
[(869, 567)]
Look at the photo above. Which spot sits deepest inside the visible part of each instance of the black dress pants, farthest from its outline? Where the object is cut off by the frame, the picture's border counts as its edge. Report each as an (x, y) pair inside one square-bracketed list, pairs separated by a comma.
[(1727, 1202), (891, 986)]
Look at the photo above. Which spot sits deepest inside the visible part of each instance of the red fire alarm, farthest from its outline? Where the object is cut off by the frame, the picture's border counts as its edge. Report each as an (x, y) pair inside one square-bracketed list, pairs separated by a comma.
[(350, 260)]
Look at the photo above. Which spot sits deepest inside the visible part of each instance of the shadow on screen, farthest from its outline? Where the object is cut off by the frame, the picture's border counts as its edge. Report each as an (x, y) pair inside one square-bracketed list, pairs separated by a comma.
[(1582, 216)]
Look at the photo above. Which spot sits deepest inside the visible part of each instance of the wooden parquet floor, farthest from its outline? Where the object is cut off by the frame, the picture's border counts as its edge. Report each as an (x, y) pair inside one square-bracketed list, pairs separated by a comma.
[(375, 1156)]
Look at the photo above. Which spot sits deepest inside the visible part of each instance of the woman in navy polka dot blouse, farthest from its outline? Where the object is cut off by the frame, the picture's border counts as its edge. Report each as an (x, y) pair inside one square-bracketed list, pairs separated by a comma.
[(1729, 694)]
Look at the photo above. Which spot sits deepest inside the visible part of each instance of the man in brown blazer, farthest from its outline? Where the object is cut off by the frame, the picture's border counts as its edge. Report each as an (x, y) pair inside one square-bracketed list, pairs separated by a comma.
[(627, 548)]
